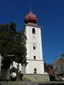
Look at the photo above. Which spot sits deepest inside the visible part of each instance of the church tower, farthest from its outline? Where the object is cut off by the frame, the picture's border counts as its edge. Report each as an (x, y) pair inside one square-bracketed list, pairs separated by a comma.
[(34, 45)]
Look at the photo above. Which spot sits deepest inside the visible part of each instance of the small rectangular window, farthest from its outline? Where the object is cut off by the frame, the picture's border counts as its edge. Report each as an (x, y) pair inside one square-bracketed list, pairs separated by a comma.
[(34, 47), (34, 57), (35, 70)]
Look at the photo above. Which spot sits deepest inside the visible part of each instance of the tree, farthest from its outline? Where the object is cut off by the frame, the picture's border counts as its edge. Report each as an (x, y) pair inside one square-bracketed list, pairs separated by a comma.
[(47, 66), (12, 43)]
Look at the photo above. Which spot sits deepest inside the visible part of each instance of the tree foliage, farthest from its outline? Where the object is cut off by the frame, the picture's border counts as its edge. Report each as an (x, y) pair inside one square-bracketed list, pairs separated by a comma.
[(47, 66), (12, 43)]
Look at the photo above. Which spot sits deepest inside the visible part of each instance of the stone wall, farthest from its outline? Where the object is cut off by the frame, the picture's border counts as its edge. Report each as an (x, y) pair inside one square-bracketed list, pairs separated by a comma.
[(36, 78)]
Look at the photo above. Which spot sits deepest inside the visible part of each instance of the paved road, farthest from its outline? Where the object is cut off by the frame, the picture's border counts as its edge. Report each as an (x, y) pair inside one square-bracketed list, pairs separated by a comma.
[(49, 83), (20, 83), (52, 83)]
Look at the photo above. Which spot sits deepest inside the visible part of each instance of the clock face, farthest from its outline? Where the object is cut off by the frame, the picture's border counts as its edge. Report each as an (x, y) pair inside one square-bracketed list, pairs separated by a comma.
[(33, 36)]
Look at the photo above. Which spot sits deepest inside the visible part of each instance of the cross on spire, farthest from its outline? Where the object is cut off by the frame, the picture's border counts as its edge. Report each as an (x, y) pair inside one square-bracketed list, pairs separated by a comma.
[(30, 8)]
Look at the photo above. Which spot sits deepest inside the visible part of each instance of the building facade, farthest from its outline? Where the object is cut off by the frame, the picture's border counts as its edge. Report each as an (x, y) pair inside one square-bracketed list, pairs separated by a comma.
[(58, 67)]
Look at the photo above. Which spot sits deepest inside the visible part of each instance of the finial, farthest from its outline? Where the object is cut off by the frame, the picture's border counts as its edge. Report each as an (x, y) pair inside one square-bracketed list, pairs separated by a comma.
[(30, 8)]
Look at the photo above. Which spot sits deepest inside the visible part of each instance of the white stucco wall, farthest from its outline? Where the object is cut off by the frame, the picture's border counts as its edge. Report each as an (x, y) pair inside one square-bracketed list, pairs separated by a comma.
[(31, 40), (17, 66), (35, 64), (14, 64)]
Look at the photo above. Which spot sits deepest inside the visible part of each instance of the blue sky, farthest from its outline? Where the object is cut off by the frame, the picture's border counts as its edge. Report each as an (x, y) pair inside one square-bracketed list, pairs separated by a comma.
[(50, 14)]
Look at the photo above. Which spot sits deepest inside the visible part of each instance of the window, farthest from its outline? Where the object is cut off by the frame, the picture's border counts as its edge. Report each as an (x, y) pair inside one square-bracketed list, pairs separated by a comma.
[(35, 57), (34, 47), (33, 31), (35, 70)]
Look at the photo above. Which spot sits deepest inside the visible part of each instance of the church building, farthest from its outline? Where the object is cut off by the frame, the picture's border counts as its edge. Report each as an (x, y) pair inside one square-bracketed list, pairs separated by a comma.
[(33, 45), (34, 70), (35, 67)]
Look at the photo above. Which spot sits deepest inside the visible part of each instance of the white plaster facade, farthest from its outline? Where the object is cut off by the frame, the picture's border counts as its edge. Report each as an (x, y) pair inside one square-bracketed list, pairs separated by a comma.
[(17, 66), (34, 40)]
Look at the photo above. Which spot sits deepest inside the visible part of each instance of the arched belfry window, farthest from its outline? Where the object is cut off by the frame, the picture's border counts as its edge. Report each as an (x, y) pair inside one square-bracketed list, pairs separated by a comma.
[(35, 70), (33, 31)]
